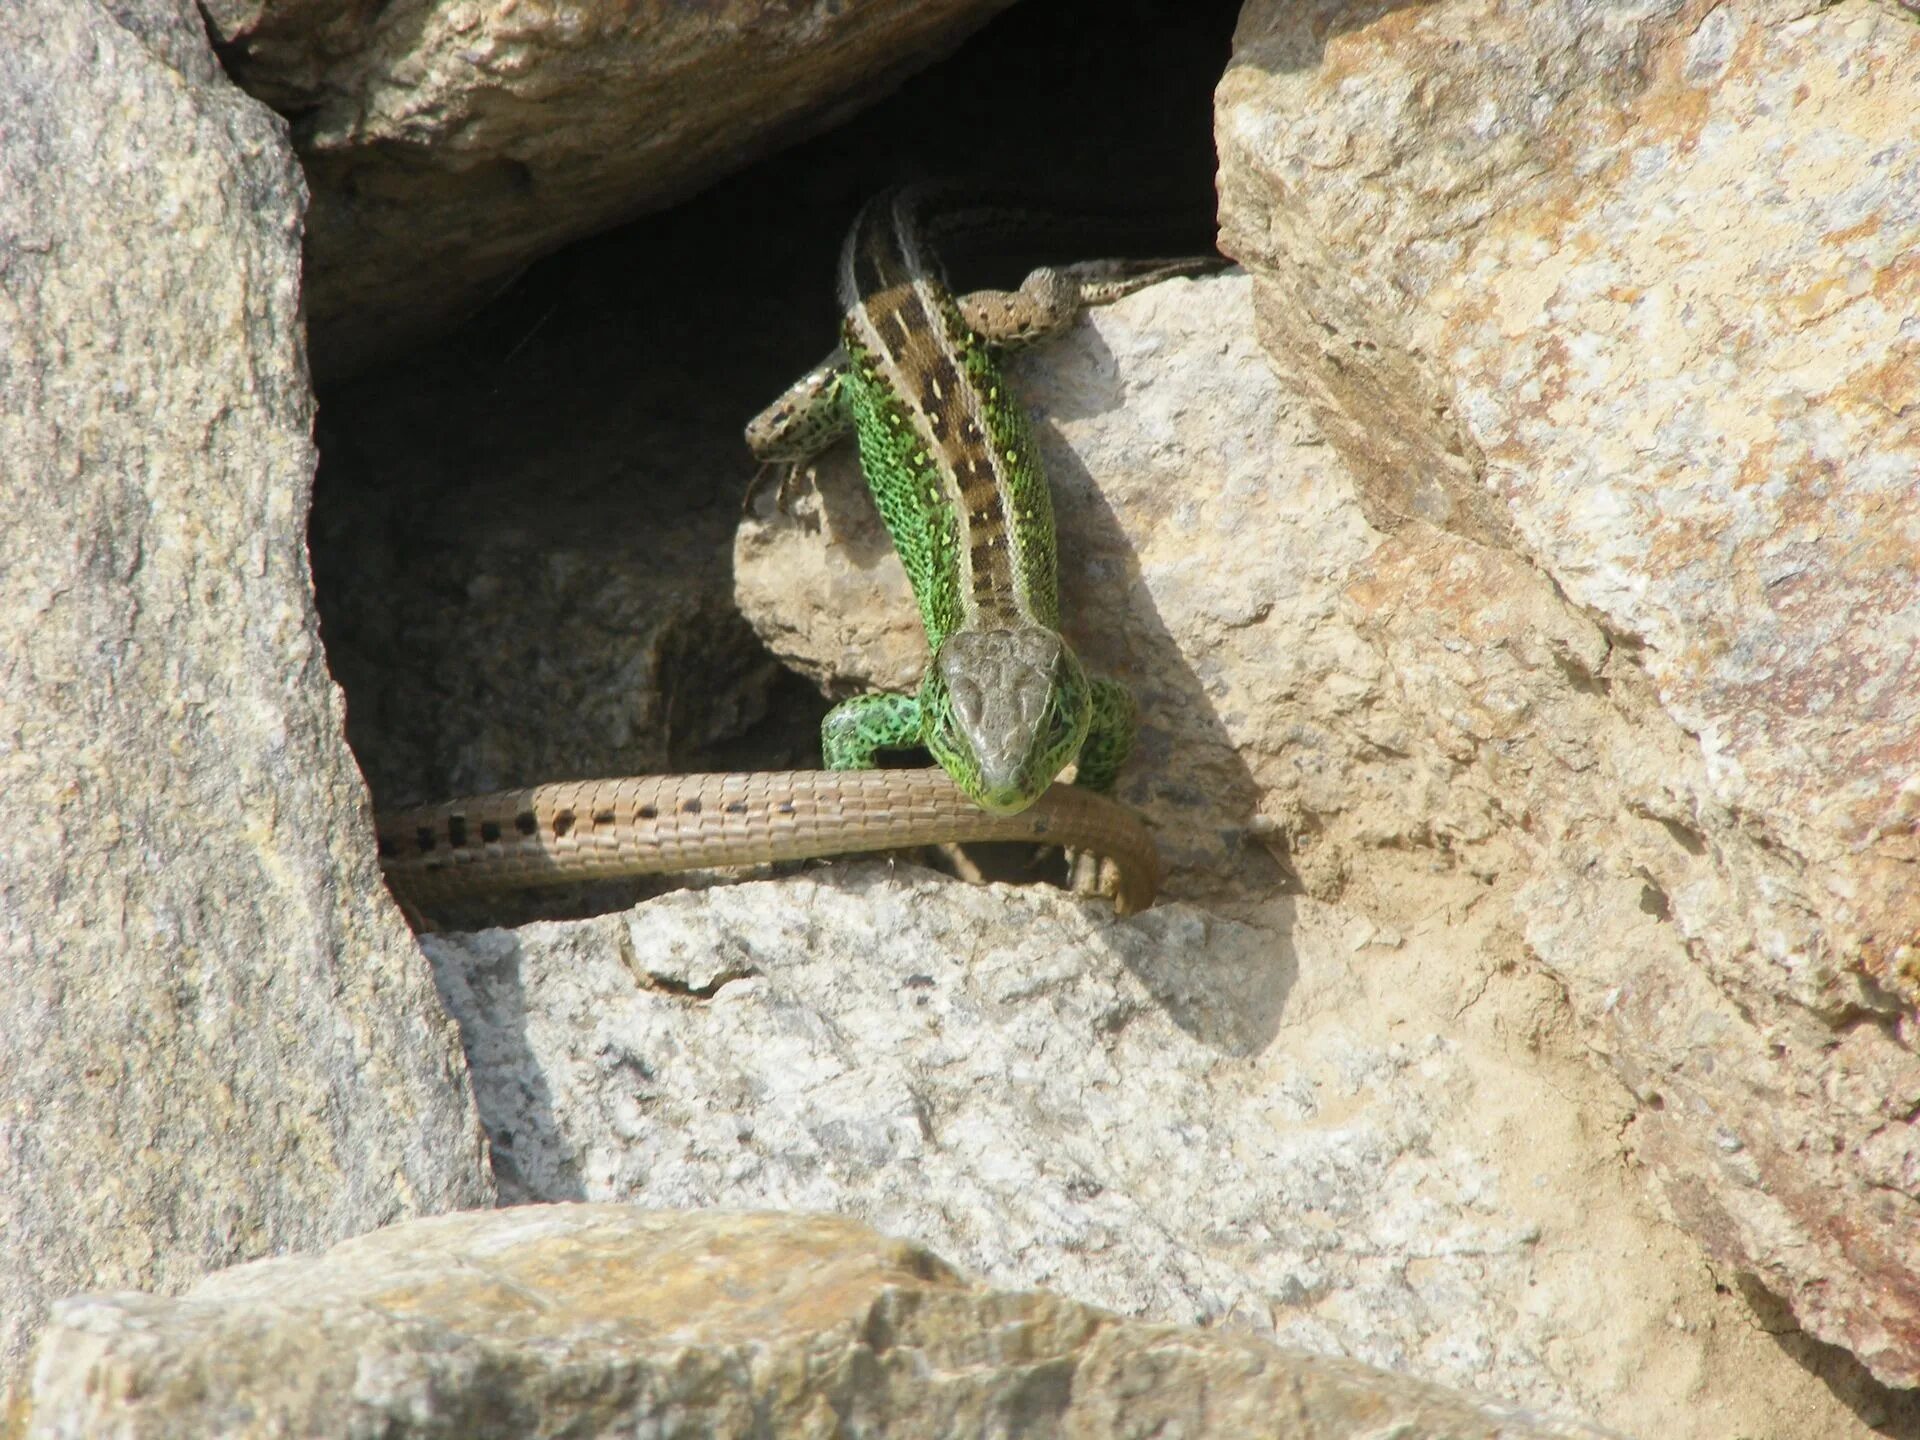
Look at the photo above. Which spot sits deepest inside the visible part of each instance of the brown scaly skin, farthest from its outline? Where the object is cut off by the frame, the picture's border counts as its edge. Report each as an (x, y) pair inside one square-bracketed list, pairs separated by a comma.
[(659, 824)]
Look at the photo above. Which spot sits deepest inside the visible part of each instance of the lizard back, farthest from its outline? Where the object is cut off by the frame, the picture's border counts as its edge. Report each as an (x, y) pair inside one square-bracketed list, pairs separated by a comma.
[(948, 453)]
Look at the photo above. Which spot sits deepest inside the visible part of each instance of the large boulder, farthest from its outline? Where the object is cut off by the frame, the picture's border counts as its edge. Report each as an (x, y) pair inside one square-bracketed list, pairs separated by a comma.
[(576, 1320), (450, 144), (216, 1038), (1610, 312)]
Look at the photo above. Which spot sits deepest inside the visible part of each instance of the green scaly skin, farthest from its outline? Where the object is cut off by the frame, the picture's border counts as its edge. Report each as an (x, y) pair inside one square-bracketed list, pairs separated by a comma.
[(1004, 706)]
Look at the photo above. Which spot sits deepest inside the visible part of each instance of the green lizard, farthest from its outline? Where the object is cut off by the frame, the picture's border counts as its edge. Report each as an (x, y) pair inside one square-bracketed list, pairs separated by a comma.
[(1004, 705)]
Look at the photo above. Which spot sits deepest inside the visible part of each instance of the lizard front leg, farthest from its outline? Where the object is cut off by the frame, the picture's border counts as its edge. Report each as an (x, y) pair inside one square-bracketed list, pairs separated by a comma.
[(1110, 736), (855, 730)]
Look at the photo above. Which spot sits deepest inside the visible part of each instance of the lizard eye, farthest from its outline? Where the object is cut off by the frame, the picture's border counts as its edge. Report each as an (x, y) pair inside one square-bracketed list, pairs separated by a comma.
[(967, 698)]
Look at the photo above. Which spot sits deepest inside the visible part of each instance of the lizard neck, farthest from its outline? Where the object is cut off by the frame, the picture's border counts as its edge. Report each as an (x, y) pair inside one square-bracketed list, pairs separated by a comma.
[(949, 454)]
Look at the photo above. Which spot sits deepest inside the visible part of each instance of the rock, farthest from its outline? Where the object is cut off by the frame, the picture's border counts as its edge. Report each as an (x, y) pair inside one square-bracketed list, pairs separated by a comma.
[(1393, 707), (600, 1319), (216, 1038), (1297, 1125), (1644, 278), (448, 145)]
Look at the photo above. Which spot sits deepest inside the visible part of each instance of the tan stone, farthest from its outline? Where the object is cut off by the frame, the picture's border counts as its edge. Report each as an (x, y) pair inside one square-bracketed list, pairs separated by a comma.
[(599, 1319), (449, 142), (1645, 279)]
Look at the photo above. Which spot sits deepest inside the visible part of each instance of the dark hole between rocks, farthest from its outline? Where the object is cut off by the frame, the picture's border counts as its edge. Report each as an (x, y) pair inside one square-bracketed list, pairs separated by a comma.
[(522, 532)]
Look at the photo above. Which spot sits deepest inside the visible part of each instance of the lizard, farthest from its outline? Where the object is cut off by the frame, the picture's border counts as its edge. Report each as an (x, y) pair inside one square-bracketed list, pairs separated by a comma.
[(1004, 704)]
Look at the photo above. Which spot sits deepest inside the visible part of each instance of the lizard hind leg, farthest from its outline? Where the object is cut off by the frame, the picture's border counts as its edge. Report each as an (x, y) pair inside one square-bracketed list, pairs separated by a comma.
[(1045, 304), (808, 417), (855, 730), (1101, 282)]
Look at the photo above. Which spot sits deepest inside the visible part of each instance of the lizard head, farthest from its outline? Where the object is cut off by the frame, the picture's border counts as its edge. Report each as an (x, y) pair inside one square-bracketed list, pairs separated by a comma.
[(1003, 711)]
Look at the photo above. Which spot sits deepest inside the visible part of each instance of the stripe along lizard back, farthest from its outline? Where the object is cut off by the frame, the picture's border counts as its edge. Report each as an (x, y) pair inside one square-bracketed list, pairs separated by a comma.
[(1004, 705)]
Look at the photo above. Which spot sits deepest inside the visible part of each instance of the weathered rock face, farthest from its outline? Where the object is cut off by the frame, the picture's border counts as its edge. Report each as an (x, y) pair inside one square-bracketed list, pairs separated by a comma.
[(216, 1038), (483, 660), (601, 1320), (449, 144), (1284, 1124), (1399, 707), (1645, 277)]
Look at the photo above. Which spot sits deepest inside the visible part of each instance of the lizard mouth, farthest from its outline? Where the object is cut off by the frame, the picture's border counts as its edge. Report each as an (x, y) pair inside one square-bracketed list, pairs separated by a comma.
[(1003, 794), (1009, 804)]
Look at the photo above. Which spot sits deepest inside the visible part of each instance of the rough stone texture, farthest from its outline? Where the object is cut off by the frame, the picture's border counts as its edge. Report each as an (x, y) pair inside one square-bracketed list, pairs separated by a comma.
[(602, 1320), (449, 142), (1645, 276), (215, 1036), (1283, 1125), (1404, 713)]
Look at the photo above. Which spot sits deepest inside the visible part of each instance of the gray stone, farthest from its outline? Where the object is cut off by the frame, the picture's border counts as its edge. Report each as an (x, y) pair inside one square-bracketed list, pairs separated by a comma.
[(216, 1039), (1643, 275), (450, 144), (1425, 730), (599, 1320), (1296, 1125)]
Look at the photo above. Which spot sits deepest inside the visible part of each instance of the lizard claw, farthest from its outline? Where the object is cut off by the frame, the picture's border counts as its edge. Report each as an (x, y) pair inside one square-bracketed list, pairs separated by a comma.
[(784, 492)]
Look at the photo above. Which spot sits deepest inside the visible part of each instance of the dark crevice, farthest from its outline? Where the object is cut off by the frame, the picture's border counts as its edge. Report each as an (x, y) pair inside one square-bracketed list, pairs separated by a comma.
[(1583, 680), (522, 532), (672, 985), (1654, 901), (1685, 836)]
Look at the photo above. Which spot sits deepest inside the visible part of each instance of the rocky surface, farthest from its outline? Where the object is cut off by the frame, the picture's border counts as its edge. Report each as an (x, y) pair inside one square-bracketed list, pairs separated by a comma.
[(1645, 278), (598, 1319), (1398, 713), (1527, 686), (449, 144), (216, 1039), (1381, 1146)]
